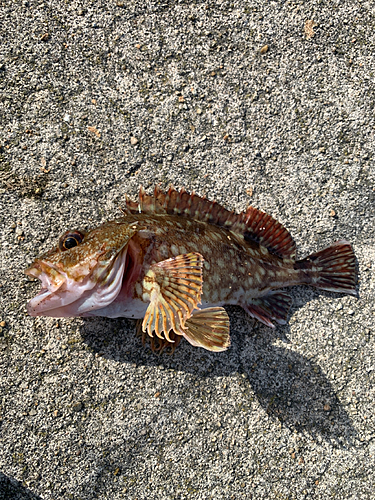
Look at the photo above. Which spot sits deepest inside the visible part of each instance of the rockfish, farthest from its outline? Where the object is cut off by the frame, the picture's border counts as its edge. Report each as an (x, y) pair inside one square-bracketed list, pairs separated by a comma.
[(174, 259)]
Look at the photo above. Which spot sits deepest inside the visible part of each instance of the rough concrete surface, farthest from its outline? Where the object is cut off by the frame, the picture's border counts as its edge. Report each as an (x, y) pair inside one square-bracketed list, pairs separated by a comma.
[(269, 103)]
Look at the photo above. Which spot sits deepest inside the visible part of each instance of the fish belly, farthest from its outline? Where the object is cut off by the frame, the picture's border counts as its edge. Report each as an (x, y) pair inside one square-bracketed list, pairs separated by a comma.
[(133, 309)]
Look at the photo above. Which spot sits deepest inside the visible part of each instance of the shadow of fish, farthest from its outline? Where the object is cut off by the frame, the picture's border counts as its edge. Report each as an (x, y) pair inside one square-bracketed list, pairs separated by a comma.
[(174, 259)]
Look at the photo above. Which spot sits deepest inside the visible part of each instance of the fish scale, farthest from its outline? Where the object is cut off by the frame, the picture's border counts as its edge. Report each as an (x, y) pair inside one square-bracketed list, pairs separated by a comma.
[(248, 271), (174, 259)]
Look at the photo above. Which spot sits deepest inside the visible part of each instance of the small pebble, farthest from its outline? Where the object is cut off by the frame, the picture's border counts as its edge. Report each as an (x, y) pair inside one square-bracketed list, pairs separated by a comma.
[(133, 141), (77, 406), (264, 49)]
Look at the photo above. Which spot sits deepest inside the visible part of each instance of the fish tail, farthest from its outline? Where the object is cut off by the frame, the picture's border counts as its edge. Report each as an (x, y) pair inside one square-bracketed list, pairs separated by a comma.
[(331, 269)]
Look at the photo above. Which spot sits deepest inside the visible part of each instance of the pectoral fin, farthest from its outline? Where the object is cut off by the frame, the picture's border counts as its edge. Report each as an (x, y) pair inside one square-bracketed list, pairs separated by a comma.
[(208, 328), (174, 287)]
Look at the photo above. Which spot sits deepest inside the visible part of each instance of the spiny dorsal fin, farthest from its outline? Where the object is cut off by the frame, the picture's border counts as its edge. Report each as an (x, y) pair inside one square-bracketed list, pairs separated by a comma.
[(254, 225)]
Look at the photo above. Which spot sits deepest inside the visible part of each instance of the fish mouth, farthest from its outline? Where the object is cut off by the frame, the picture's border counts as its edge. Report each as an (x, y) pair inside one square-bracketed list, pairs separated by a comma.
[(53, 280), (51, 277), (63, 296)]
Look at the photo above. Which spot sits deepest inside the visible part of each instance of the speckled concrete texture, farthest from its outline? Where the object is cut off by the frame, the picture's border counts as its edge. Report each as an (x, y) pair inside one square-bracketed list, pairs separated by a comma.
[(265, 103)]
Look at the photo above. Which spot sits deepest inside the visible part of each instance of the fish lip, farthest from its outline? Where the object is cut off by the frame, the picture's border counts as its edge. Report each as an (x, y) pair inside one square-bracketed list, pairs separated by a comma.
[(33, 305), (33, 271), (51, 278)]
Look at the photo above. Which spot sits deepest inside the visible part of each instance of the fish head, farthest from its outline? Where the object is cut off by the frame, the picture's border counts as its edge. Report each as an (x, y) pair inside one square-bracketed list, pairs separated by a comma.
[(84, 272)]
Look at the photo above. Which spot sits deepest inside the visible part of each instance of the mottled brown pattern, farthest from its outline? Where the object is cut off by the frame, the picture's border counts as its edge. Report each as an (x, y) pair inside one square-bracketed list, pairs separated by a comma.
[(176, 251), (231, 264)]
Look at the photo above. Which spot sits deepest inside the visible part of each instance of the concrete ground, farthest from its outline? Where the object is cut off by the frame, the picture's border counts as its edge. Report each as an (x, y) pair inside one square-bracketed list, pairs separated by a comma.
[(265, 103)]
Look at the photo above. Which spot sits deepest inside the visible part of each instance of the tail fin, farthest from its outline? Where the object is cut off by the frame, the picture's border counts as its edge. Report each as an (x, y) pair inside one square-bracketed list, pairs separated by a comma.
[(332, 269)]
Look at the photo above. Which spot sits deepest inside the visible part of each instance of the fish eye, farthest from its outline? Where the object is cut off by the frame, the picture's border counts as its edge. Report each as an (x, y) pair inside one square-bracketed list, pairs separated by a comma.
[(70, 240)]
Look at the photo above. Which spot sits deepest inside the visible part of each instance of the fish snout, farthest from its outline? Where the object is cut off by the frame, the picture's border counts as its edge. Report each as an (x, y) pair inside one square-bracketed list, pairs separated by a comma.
[(52, 279)]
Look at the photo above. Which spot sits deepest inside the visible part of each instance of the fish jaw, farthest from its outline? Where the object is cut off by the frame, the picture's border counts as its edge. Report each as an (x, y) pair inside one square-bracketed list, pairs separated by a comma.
[(65, 296), (58, 291), (52, 278)]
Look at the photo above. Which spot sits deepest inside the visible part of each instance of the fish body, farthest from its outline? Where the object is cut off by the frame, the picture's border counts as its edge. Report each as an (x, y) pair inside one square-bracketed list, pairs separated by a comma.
[(174, 260)]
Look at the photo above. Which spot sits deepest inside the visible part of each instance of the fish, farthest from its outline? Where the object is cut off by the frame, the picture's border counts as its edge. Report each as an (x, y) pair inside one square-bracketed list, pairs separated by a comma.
[(173, 260)]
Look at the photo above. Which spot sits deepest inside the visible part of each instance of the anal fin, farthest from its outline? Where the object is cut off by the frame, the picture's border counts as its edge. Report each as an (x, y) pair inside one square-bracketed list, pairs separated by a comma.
[(273, 306), (208, 328)]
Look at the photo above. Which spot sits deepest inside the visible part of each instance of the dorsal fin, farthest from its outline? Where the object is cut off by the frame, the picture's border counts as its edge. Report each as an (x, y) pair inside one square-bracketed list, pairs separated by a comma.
[(254, 225), (268, 232)]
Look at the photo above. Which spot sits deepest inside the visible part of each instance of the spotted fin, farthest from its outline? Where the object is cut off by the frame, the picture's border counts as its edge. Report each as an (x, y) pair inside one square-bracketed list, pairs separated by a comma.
[(256, 226), (273, 306), (209, 328), (266, 231), (174, 288), (331, 269)]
